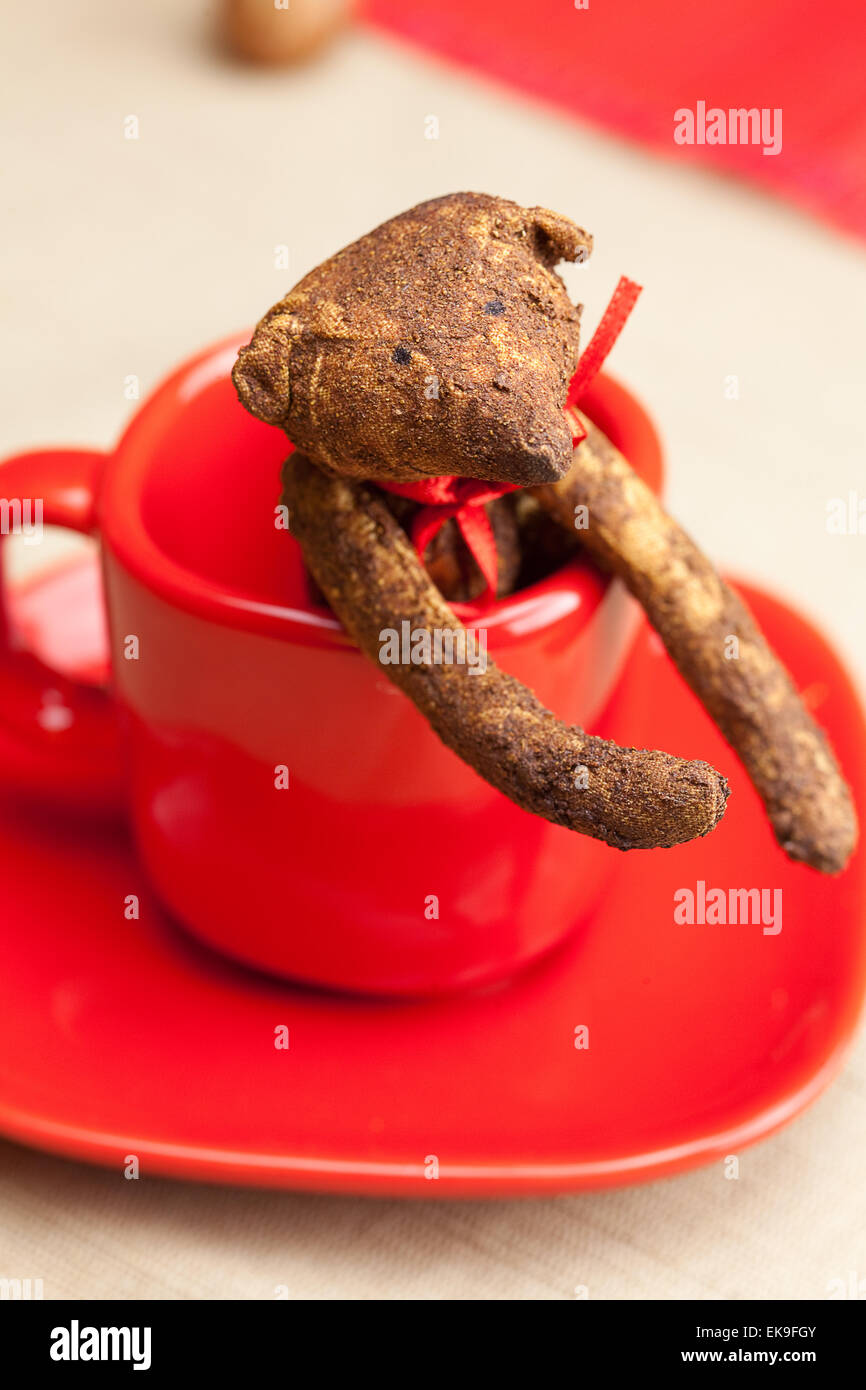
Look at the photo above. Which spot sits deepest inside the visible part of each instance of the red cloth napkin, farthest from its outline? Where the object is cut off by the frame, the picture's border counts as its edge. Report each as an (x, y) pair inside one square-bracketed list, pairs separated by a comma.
[(630, 64)]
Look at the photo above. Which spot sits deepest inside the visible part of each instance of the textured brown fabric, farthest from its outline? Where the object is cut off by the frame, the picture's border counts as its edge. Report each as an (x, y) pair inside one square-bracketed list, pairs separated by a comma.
[(750, 695), (372, 578), (440, 343)]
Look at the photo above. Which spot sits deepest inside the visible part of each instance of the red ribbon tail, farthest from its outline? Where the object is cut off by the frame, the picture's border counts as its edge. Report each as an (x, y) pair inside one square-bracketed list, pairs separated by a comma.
[(478, 534), (426, 524), (476, 530), (610, 326)]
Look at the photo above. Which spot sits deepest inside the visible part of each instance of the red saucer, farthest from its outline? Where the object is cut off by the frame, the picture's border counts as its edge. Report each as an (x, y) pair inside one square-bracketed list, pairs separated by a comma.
[(123, 1037)]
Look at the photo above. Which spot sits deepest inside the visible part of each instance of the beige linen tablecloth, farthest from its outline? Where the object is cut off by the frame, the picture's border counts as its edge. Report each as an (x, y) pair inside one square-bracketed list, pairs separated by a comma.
[(122, 256)]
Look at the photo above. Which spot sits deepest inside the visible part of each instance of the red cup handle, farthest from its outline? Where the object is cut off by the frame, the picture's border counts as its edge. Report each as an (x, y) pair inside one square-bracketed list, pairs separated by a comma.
[(59, 740)]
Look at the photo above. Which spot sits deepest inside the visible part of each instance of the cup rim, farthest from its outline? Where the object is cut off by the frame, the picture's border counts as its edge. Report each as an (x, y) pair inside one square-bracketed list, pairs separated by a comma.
[(575, 590)]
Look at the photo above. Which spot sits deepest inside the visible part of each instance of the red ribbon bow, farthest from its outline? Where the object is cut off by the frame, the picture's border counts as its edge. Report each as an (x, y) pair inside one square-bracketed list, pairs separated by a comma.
[(464, 499)]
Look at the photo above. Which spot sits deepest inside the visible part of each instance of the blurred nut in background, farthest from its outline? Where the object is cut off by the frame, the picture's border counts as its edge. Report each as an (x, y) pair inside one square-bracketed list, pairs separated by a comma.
[(281, 31)]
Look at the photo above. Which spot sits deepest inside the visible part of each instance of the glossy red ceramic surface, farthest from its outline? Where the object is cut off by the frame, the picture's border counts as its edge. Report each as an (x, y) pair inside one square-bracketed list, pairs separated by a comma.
[(385, 865), (122, 1036)]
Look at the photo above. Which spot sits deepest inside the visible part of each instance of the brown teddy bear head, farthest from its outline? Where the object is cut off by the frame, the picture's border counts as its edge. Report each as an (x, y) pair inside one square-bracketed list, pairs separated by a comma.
[(443, 342)]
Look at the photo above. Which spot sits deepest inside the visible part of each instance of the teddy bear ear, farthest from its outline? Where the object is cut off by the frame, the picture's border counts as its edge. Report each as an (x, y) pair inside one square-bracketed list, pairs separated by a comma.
[(261, 374), (558, 238), (441, 343)]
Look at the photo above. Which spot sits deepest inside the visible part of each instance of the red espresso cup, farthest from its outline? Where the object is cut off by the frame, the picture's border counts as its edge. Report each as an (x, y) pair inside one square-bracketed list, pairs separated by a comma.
[(292, 809)]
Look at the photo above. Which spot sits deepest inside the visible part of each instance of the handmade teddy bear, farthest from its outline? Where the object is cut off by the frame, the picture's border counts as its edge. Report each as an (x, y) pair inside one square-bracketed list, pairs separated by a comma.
[(427, 377)]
